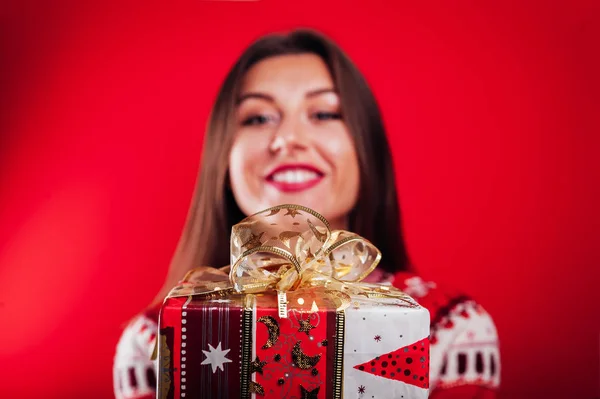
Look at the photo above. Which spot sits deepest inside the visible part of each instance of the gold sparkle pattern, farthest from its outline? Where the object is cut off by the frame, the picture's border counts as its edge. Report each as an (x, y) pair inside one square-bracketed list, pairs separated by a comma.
[(302, 360), (305, 326), (273, 328), (256, 388), (312, 394), (257, 365)]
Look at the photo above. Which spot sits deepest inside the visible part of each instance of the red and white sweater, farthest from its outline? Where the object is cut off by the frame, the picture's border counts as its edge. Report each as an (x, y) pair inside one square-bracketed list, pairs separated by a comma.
[(465, 356)]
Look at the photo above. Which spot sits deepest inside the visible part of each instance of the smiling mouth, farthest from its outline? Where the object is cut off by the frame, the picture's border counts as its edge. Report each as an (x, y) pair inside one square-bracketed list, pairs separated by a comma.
[(289, 178)]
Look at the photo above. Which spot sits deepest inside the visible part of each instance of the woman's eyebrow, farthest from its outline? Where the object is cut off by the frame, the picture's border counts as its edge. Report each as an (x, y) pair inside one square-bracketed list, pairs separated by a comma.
[(324, 90), (258, 95), (269, 98)]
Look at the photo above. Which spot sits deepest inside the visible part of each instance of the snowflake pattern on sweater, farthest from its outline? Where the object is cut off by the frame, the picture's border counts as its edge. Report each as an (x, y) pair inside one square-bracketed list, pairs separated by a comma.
[(134, 374), (464, 349)]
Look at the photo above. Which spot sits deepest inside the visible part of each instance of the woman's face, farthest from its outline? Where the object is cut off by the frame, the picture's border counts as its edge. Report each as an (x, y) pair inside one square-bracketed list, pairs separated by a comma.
[(291, 144)]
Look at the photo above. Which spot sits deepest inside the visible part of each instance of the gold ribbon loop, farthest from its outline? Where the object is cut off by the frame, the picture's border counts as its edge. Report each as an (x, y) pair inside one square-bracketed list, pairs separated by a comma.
[(286, 248), (289, 245)]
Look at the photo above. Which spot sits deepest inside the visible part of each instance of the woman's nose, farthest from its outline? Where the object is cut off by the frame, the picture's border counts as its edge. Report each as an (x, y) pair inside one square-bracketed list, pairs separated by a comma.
[(288, 136)]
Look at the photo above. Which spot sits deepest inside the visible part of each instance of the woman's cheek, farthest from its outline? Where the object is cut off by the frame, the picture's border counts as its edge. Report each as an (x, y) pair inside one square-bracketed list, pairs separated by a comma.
[(346, 162), (256, 139), (338, 147), (243, 146), (248, 157)]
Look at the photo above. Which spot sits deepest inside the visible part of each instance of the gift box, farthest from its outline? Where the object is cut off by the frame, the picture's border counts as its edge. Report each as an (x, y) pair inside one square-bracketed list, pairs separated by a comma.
[(291, 319)]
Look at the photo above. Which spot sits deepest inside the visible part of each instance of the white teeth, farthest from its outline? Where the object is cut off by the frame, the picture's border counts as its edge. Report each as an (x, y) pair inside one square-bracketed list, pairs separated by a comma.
[(278, 177), (295, 176), (289, 176)]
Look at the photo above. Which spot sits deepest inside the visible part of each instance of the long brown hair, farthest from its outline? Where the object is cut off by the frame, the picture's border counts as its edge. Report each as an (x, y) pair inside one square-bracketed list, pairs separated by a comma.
[(213, 212)]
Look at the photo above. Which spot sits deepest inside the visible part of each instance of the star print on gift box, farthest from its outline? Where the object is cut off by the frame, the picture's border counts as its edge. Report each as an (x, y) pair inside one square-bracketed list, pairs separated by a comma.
[(305, 326), (257, 366), (216, 357)]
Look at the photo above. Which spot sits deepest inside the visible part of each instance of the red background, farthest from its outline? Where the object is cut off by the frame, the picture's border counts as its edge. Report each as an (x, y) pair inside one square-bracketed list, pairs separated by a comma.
[(489, 111)]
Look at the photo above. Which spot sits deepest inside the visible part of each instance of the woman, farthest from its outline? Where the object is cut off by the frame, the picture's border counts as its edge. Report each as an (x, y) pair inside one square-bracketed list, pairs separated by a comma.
[(295, 122)]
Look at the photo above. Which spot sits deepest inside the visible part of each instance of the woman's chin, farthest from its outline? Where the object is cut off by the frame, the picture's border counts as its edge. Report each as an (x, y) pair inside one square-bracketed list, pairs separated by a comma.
[(310, 200)]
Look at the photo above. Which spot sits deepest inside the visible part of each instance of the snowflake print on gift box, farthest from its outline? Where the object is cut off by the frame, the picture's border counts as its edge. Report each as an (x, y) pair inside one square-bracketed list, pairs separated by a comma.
[(215, 357), (377, 338), (361, 389)]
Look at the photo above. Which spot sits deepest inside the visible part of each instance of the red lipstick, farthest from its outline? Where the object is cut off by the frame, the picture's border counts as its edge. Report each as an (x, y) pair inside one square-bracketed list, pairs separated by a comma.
[(294, 177)]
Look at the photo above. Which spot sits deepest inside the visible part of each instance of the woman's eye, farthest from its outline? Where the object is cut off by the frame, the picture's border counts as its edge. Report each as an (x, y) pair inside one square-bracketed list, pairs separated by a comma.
[(323, 116), (256, 120)]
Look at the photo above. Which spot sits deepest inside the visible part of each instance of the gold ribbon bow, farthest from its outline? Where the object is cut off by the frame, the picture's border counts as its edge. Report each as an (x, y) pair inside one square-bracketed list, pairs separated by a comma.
[(287, 248)]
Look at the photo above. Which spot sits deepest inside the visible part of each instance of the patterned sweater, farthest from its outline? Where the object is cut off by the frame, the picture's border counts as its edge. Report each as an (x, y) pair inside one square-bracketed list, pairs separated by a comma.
[(465, 357)]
